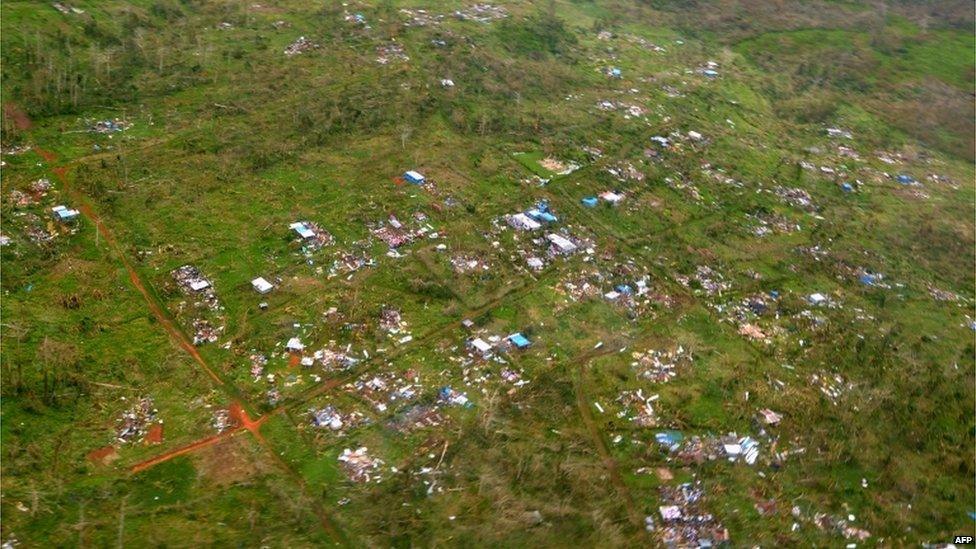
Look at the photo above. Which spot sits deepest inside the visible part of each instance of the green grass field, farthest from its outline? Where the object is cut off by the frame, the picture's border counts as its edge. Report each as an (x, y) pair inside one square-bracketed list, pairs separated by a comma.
[(764, 231)]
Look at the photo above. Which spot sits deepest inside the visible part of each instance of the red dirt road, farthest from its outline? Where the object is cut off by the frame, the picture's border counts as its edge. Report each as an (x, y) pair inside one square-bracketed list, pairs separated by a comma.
[(85, 208), (209, 441)]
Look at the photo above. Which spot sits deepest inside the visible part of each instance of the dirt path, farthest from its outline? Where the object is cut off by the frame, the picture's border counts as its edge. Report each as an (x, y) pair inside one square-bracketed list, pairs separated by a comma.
[(582, 402), (202, 443), (237, 410), (164, 320)]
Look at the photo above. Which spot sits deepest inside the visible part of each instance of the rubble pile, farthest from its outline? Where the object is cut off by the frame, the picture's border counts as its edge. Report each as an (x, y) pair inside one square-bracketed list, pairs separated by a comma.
[(313, 236), (625, 172), (359, 466), (193, 283), (133, 425), (110, 125), (481, 13), (772, 224), (796, 197), (660, 366), (833, 386), (829, 523), (332, 360), (385, 389), (301, 45), (706, 279), (421, 18), (557, 166), (391, 320), (386, 53), (416, 417), (465, 264), (221, 420), (638, 408), (684, 521), (331, 418), (205, 332), (258, 362), (451, 397)]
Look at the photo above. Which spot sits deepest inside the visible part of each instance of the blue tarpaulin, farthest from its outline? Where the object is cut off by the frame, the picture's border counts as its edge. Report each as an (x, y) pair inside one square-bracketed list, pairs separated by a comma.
[(519, 340), (414, 177), (590, 201), (671, 439)]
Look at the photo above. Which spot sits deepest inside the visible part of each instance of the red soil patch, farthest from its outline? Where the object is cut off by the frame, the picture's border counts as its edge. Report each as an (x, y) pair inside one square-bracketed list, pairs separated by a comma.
[(155, 434), (398, 181), (103, 456), (20, 118), (294, 359), (226, 462), (49, 156)]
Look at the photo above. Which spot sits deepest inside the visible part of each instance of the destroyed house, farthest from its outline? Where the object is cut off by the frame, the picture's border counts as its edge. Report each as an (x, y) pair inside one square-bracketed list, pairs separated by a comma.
[(523, 222), (302, 229), (541, 216), (561, 244)]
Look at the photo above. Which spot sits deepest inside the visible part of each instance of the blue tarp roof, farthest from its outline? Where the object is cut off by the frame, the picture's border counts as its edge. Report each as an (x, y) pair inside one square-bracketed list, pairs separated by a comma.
[(413, 177), (590, 201), (519, 340)]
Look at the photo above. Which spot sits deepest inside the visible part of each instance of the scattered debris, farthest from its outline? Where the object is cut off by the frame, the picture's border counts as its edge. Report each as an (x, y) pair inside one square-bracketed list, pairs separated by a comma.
[(684, 521), (134, 424), (359, 466), (301, 45)]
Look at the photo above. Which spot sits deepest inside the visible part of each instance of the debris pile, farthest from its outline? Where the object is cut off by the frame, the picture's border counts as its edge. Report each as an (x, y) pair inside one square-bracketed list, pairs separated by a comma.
[(767, 224), (416, 417), (465, 264), (133, 425), (420, 18), (828, 523), (625, 171), (311, 235), (450, 396), (258, 362), (660, 366), (110, 125), (796, 197), (385, 53), (192, 282), (359, 466), (205, 332), (221, 420), (557, 166), (684, 520), (705, 280), (638, 408), (385, 389), (301, 45), (833, 386), (331, 418), (481, 13)]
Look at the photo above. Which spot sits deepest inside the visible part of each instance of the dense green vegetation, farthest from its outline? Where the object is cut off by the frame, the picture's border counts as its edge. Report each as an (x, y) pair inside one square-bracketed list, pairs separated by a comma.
[(753, 207)]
